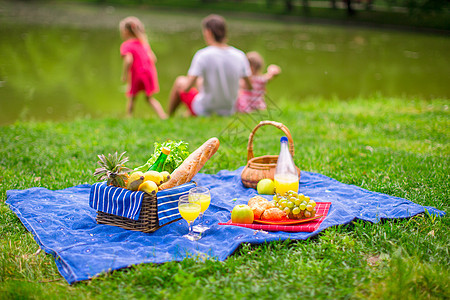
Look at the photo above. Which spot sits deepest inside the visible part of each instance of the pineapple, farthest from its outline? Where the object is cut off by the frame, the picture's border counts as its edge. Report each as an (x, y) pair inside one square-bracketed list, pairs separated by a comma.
[(112, 169)]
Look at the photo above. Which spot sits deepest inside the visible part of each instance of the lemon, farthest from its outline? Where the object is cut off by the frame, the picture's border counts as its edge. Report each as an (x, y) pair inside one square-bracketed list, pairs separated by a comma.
[(154, 176), (148, 187), (165, 175)]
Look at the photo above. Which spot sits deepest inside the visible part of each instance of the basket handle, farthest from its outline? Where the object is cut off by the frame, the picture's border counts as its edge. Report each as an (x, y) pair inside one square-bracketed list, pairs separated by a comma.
[(278, 125)]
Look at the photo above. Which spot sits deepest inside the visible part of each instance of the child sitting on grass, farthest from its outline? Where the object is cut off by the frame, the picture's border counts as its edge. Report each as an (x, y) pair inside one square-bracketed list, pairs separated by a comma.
[(251, 100)]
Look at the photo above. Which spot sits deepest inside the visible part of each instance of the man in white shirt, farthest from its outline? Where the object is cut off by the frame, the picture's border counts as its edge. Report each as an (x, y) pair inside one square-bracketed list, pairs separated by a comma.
[(215, 70)]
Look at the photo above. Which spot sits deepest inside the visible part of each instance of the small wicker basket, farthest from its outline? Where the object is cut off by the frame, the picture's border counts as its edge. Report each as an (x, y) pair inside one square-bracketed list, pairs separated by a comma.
[(262, 167)]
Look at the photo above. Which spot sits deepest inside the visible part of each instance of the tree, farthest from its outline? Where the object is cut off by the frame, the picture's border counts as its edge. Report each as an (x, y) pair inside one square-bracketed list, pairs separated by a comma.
[(289, 5), (350, 10), (419, 7)]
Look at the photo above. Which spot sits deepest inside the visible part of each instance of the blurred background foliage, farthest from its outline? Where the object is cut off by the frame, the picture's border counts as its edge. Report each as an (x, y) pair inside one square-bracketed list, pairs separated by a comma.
[(417, 13)]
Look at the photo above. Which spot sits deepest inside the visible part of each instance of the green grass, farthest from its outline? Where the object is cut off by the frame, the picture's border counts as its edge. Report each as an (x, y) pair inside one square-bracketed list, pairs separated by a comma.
[(394, 146)]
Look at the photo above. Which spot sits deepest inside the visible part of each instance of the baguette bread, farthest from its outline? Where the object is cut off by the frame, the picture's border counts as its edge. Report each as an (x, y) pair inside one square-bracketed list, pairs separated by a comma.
[(192, 164)]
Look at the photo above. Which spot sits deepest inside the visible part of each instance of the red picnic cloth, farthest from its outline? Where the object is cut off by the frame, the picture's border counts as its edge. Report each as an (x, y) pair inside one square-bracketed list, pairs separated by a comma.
[(322, 208)]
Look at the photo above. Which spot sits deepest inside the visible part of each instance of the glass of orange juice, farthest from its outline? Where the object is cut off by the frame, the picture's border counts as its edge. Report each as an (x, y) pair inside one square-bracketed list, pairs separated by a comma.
[(285, 183), (202, 195), (189, 210)]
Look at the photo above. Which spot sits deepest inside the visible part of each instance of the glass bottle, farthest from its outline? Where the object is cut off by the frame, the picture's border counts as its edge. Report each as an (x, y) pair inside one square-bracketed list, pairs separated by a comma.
[(286, 175), (158, 165)]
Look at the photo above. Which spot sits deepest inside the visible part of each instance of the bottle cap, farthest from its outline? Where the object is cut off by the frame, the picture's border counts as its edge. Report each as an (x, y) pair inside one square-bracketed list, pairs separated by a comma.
[(165, 150), (283, 139)]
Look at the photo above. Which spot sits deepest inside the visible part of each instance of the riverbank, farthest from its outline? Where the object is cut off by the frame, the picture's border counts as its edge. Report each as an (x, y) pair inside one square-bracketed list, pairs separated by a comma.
[(91, 13), (321, 12)]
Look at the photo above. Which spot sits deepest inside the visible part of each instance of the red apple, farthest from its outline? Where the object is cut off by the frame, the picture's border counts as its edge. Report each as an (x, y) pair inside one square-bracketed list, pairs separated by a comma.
[(242, 214)]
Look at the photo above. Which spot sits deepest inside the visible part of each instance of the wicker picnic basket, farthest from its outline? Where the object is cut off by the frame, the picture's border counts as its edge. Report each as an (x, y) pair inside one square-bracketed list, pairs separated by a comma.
[(261, 167), (148, 218)]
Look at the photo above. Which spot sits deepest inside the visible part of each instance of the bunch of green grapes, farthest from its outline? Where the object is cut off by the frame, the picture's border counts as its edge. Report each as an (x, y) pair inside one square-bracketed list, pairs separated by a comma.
[(297, 206)]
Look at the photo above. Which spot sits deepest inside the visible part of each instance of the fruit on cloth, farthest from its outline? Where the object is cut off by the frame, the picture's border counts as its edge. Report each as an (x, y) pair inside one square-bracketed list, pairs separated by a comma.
[(260, 206), (112, 169), (154, 176), (192, 164), (296, 206), (149, 187), (242, 214), (165, 175), (135, 180), (266, 187)]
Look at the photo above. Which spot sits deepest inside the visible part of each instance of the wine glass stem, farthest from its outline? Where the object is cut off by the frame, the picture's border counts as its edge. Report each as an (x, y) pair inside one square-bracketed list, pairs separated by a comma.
[(200, 218), (190, 228)]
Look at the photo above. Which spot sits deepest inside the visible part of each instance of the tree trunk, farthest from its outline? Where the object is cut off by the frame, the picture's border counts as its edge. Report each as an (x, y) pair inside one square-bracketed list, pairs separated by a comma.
[(289, 6), (350, 10), (333, 4), (305, 5)]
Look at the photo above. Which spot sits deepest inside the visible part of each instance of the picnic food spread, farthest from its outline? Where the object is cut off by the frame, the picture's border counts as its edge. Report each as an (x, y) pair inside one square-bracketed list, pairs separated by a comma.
[(286, 203), (155, 175)]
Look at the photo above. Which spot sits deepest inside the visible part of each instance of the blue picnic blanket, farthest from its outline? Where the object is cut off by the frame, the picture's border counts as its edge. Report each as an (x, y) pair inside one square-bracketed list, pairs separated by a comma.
[(63, 223)]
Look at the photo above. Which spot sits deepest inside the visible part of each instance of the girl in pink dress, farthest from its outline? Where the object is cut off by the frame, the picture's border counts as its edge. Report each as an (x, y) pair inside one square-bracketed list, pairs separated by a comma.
[(139, 69), (251, 100)]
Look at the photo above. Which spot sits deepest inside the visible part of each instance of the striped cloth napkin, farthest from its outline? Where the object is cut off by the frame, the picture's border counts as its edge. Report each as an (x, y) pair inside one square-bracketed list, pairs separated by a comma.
[(125, 203), (322, 208), (168, 202)]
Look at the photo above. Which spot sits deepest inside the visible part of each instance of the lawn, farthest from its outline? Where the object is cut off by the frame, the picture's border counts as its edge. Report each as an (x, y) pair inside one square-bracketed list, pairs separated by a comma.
[(395, 146)]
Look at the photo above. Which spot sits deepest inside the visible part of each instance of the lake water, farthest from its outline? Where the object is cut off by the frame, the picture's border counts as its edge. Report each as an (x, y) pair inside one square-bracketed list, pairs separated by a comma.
[(64, 71)]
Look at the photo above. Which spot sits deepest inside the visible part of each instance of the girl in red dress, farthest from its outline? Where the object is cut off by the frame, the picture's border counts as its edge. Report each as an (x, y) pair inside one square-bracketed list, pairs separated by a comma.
[(139, 69)]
